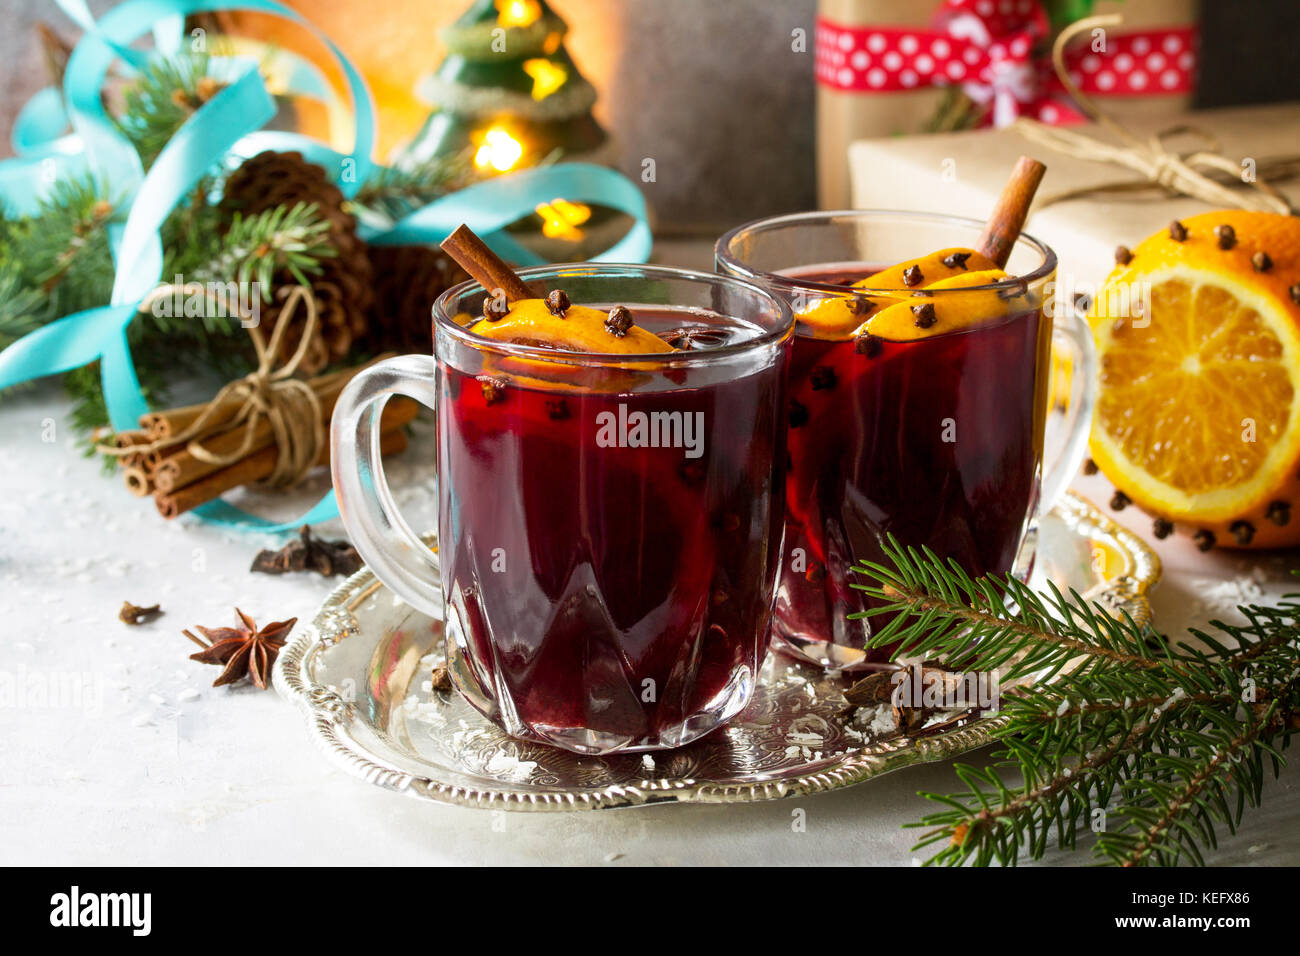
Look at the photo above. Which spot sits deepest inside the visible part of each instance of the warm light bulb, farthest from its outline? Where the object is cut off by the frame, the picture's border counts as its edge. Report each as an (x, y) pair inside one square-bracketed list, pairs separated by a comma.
[(517, 13), (561, 218), (547, 77), (499, 150)]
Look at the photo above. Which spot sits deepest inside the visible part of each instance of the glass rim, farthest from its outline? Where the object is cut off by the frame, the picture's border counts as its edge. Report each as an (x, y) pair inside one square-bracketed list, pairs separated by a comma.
[(723, 254), (784, 328)]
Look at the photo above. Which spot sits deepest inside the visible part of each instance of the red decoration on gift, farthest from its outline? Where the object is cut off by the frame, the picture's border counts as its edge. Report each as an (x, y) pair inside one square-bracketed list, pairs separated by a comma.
[(998, 50)]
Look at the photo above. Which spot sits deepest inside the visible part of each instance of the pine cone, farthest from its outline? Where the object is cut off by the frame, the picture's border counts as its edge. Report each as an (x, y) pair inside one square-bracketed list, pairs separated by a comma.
[(342, 287), (407, 280)]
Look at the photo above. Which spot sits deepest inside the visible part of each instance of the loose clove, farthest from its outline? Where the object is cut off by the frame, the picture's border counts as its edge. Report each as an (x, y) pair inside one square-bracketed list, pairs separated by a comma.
[(133, 614)]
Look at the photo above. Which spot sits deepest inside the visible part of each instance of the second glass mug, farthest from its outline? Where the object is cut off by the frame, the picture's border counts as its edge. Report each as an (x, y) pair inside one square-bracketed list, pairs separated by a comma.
[(938, 440), (601, 593)]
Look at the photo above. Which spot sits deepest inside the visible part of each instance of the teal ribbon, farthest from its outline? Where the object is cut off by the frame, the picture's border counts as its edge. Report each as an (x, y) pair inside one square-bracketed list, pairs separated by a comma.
[(229, 125)]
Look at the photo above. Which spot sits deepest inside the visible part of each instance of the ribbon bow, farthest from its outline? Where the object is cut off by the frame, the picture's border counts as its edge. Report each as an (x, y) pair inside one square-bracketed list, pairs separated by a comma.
[(995, 51), (230, 123), (1008, 78)]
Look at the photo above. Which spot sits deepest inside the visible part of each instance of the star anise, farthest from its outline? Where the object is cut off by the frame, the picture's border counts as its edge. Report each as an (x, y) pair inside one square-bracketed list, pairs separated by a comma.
[(309, 554), (244, 650)]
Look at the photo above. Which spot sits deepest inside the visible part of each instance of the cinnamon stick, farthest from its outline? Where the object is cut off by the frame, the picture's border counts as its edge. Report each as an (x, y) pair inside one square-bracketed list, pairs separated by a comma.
[(181, 468), (484, 265), (156, 457), (397, 413), (391, 442), (127, 439), (164, 424), (1008, 216), (138, 481)]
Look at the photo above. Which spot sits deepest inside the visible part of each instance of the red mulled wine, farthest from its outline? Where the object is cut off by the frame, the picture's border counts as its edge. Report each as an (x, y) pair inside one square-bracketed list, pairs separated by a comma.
[(610, 534), (936, 440)]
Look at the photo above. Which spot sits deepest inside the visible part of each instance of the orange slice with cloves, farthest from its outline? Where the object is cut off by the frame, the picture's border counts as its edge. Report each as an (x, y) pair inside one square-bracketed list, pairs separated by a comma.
[(578, 329), (566, 328), (927, 270), (838, 317), (924, 316)]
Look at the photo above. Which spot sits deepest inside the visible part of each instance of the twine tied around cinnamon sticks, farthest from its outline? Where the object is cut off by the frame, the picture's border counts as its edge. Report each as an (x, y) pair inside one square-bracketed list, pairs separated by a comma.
[(267, 396), (1184, 174)]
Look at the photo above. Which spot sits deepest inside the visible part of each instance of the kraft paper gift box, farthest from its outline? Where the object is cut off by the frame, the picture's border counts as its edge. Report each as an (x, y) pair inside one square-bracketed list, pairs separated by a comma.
[(856, 40), (962, 174)]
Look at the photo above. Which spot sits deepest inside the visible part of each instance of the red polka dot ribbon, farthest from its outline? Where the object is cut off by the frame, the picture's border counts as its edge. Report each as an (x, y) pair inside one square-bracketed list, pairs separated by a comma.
[(998, 51)]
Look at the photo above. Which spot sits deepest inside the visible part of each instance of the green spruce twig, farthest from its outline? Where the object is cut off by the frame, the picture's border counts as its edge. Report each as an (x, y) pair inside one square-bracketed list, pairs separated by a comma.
[(167, 92), (58, 260), (62, 250), (393, 191), (22, 309), (1109, 730), (291, 239)]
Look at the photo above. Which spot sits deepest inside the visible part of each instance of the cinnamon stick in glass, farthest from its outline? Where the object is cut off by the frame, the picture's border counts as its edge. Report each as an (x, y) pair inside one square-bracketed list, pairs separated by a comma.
[(1010, 211), (484, 265)]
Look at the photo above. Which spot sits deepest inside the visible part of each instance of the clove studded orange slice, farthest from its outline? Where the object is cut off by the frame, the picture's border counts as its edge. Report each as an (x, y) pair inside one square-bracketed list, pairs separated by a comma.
[(1198, 414), (839, 317), (579, 329), (949, 312), (937, 266)]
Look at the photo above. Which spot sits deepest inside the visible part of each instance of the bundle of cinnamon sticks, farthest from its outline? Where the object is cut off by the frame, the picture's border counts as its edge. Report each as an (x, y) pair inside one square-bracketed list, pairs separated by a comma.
[(179, 480)]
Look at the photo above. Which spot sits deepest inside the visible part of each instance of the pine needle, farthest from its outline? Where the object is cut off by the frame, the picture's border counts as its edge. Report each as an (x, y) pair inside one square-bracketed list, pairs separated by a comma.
[(1152, 747)]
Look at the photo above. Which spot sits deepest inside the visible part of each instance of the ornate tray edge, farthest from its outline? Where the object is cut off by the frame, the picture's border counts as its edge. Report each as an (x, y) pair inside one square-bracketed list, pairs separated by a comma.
[(329, 716)]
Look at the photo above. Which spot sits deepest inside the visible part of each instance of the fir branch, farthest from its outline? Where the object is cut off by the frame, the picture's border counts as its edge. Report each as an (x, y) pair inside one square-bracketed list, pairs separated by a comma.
[(89, 412), (58, 260), (22, 309), (192, 233), (1163, 745), (62, 249), (281, 239), (393, 191), (956, 111), (1163, 831), (167, 92), (993, 622)]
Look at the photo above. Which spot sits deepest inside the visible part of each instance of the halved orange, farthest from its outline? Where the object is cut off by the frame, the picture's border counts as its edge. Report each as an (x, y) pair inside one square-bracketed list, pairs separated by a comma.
[(1198, 414)]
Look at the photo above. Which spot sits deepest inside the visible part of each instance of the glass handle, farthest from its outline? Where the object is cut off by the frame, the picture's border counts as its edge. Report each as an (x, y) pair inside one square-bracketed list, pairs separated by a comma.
[(383, 539), (1070, 337)]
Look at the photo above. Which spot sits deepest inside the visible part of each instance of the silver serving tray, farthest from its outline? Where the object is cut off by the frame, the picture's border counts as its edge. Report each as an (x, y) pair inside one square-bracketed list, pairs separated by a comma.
[(361, 673)]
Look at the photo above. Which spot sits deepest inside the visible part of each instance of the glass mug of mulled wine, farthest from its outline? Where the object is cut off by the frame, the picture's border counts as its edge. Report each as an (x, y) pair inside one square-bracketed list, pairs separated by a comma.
[(923, 397), (610, 477)]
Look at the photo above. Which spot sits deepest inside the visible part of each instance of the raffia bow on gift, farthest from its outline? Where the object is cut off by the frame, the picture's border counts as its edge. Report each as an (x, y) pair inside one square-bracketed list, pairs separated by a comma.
[(1183, 174), (268, 394)]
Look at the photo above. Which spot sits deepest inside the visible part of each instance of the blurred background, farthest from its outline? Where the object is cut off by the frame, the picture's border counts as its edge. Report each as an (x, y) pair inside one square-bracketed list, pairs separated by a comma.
[(713, 92)]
